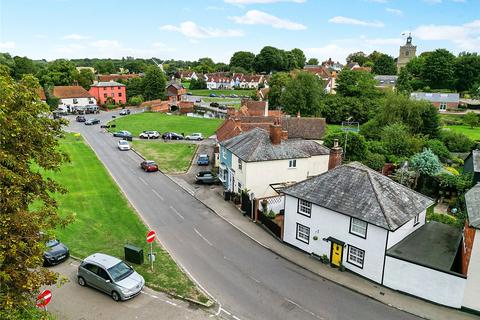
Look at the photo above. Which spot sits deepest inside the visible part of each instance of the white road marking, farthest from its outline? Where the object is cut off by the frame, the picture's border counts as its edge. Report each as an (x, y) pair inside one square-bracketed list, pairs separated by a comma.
[(176, 211), (157, 194), (201, 236), (257, 281), (144, 182), (226, 312), (172, 303), (304, 310), (235, 317)]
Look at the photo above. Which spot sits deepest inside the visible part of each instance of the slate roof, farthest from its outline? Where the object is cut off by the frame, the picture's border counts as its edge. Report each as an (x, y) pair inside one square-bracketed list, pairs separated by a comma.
[(433, 245), (472, 201), (65, 92), (476, 160), (385, 80), (435, 96), (175, 84), (108, 84), (255, 145), (360, 192)]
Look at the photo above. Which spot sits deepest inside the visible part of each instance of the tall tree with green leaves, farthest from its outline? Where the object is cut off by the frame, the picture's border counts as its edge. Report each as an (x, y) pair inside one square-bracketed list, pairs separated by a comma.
[(439, 69), (313, 62), (154, 84), (302, 94), (467, 71), (23, 65), (60, 72), (358, 57), (85, 78), (384, 65), (471, 119), (353, 83), (299, 58), (270, 59), (242, 59), (22, 115), (404, 81), (277, 84)]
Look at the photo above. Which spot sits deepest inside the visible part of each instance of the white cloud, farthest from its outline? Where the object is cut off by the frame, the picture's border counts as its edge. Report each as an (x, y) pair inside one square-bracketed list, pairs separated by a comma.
[(75, 36), (351, 21), (261, 1), (465, 36), (191, 30), (7, 45), (260, 17), (394, 11)]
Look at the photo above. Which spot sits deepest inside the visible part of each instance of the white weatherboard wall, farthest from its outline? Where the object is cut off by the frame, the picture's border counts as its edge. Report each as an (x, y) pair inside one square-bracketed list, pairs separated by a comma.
[(257, 176), (398, 235), (471, 298), (81, 102), (423, 282), (325, 223)]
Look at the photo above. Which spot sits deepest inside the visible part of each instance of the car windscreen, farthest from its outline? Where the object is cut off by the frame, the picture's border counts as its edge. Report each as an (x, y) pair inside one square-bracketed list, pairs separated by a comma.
[(120, 271), (51, 243), (123, 142)]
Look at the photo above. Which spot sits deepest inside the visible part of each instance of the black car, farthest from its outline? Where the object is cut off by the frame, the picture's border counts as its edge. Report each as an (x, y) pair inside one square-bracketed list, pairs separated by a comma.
[(214, 105), (206, 177), (122, 134), (172, 136), (80, 119), (56, 253), (124, 112), (92, 121)]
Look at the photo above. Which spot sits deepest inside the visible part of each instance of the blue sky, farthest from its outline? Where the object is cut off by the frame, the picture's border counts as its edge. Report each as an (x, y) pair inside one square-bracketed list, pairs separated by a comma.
[(191, 29)]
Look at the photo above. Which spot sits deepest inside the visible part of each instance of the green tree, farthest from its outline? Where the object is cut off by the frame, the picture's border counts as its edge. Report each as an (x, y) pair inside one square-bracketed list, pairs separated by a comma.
[(60, 72), (426, 163), (277, 85), (336, 108), (135, 66), (439, 70), (313, 62), (398, 141), (384, 65), (467, 71), (471, 119), (134, 87), (456, 141), (299, 58), (356, 149), (22, 114), (358, 57), (242, 59), (374, 161), (200, 83), (105, 67), (352, 83), (154, 84), (270, 59), (23, 66), (135, 100), (221, 67), (205, 65), (85, 78), (404, 81), (439, 149), (302, 94)]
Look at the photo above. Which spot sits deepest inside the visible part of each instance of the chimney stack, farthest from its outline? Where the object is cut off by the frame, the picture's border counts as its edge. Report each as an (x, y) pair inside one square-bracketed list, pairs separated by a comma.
[(275, 134), (230, 112), (335, 158), (284, 135)]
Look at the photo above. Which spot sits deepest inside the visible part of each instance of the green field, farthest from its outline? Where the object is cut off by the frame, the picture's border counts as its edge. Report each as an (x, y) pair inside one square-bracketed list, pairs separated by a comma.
[(104, 221), (171, 157), (225, 101), (333, 127), (473, 134), (206, 92), (161, 122)]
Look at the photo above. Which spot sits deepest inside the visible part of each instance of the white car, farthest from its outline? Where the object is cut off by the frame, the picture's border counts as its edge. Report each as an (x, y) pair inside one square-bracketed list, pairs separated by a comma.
[(123, 145), (194, 136), (149, 135)]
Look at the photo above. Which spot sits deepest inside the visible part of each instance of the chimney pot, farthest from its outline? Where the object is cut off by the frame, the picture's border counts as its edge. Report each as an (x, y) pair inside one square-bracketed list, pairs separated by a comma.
[(275, 134), (335, 158)]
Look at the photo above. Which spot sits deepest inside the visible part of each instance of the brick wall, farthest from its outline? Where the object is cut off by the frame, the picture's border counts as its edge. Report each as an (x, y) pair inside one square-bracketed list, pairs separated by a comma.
[(468, 238)]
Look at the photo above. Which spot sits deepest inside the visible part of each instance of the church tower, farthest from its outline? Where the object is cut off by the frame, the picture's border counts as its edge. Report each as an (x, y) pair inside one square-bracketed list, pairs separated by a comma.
[(407, 53)]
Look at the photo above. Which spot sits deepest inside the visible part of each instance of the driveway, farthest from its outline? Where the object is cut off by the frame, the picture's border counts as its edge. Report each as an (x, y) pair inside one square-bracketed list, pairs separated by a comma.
[(71, 301)]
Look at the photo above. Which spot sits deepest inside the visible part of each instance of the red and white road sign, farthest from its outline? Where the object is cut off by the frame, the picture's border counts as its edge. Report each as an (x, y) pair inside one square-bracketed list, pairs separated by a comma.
[(151, 236), (44, 298)]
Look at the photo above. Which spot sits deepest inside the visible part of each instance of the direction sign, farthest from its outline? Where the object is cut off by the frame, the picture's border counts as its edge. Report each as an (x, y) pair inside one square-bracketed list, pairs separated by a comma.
[(44, 298), (151, 236)]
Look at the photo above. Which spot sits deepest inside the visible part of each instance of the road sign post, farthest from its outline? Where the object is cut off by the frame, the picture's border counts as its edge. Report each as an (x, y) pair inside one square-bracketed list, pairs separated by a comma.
[(43, 299), (150, 238)]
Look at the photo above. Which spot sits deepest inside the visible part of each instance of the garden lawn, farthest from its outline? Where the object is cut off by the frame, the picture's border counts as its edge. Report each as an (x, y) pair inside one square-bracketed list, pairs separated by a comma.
[(333, 127), (136, 123), (171, 157), (206, 92), (105, 222), (226, 101), (472, 133)]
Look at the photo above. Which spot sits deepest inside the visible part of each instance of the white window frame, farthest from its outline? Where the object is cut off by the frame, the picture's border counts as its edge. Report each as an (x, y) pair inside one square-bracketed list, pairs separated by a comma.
[(416, 220), (292, 164), (358, 227), (442, 106), (303, 233), (304, 208), (240, 164), (356, 256), (224, 153), (239, 186)]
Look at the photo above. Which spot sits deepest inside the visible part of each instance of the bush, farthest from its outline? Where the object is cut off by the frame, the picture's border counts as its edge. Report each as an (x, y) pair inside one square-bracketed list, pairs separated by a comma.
[(456, 141), (438, 148), (442, 218), (136, 100), (356, 145), (271, 214), (374, 161)]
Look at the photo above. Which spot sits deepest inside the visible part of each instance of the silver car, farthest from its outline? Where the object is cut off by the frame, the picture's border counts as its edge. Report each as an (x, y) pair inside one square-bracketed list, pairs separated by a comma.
[(110, 275)]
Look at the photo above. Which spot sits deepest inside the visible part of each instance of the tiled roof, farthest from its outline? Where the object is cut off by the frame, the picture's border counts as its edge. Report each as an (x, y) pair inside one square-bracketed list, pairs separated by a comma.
[(385, 80), (436, 96), (360, 192), (108, 84), (65, 92), (116, 77), (472, 201), (256, 108), (305, 128), (320, 71), (255, 145), (41, 93)]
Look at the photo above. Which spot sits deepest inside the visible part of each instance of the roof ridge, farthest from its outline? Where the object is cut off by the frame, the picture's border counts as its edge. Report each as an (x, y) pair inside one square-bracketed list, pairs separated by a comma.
[(370, 178)]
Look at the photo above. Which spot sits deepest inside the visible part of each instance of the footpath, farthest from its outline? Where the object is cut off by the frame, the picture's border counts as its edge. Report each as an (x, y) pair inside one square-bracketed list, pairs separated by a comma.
[(213, 199)]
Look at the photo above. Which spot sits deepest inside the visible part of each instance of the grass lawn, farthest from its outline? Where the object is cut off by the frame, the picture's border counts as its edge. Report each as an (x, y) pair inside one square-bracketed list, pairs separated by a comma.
[(186, 85), (333, 127), (105, 222), (171, 157), (206, 92), (226, 101), (473, 134), (161, 122)]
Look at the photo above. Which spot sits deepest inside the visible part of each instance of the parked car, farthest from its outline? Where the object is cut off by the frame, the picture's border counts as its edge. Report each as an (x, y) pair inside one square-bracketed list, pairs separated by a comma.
[(206, 177), (110, 275), (56, 252), (92, 121), (214, 105), (234, 96), (213, 95), (172, 136), (80, 119), (149, 135), (222, 107), (124, 112), (222, 96), (189, 93), (149, 166), (194, 136), (198, 100), (122, 134), (123, 145), (92, 109), (203, 160)]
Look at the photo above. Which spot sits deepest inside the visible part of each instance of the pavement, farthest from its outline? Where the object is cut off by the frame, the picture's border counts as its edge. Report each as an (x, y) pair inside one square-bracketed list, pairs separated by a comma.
[(89, 303)]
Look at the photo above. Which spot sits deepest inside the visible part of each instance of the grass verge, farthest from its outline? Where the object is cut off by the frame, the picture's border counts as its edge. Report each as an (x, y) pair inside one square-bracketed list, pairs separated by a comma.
[(206, 92), (171, 157), (105, 222), (136, 123)]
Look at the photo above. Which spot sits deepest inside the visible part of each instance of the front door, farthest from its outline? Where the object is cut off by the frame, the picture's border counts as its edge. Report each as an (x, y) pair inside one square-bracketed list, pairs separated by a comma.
[(336, 254)]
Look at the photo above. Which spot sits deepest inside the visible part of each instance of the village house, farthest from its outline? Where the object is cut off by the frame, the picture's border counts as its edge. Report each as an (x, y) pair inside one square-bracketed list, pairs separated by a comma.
[(325, 75), (73, 97), (219, 80), (176, 100), (186, 75), (109, 92), (41, 94), (443, 101), (332, 65), (386, 81)]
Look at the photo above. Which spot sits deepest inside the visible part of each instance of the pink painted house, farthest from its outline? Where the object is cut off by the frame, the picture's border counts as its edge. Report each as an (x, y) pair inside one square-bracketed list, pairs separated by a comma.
[(111, 89)]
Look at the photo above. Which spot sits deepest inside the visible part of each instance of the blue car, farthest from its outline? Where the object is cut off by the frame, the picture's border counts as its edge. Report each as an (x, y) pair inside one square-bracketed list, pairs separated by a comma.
[(203, 160), (213, 95)]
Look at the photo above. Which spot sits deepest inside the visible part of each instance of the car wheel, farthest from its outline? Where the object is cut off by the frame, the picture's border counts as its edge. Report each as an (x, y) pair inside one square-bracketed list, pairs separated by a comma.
[(81, 281), (115, 296), (146, 170)]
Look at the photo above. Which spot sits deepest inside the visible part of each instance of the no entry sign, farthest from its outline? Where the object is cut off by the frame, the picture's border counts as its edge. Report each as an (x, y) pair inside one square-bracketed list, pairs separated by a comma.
[(151, 236), (44, 298)]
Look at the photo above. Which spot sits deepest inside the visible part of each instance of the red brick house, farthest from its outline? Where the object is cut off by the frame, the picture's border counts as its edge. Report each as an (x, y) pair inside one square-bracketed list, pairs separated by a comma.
[(102, 91), (443, 101)]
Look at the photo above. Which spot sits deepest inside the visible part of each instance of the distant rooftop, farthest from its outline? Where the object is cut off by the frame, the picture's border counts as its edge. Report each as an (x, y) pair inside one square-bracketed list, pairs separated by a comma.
[(108, 84), (472, 201), (436, 96)]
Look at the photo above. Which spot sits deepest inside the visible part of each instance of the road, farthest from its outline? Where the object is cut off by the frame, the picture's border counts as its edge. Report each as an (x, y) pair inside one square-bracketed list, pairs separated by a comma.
[(247, 280)]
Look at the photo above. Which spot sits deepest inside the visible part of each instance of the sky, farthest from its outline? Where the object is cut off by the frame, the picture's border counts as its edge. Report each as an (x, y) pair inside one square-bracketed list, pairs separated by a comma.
[(192, 29)]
